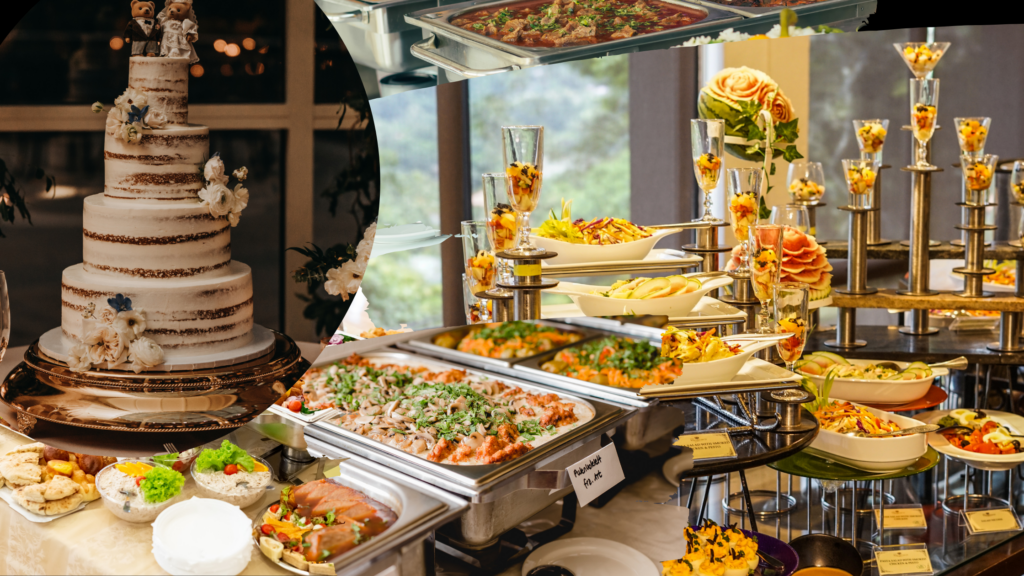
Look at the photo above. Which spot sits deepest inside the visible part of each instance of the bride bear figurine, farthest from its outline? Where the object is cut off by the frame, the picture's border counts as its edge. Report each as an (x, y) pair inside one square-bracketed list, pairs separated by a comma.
[(180, 30)]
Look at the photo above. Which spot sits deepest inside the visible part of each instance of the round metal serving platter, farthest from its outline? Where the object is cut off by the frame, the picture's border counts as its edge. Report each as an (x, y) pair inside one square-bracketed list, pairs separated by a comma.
[(198, 401)]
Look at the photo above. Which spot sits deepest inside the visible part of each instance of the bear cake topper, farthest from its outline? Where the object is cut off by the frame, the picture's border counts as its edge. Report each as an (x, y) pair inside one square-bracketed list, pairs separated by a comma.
[(170, 34)]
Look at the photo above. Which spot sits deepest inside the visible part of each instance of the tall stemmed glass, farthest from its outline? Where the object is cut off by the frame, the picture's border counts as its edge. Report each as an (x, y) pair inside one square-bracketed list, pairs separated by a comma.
[(523, 150), (765, 268), (745, 186), (5, 316), (792, 216), (480, 262), (806, 181), (707, 138), (924, 109), (477, 310), (502, 223), (871, 138), (921, 57), (790, 302)]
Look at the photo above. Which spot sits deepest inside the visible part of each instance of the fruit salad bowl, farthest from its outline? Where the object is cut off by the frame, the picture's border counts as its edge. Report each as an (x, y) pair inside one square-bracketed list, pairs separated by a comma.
[(571, 253), (674, 296)]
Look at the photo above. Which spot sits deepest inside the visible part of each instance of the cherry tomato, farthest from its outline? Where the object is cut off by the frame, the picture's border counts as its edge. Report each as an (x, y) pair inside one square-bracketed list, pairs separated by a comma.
[(295, 405), (138, 480), (288, 517), (231, 469), (178, 466), (275, 508), (267, 529), (282, 536), (297, 548)]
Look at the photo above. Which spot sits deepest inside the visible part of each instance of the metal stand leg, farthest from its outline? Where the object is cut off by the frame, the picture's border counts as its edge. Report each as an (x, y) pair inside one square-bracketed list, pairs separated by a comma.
[(853, 516), (746, 499)]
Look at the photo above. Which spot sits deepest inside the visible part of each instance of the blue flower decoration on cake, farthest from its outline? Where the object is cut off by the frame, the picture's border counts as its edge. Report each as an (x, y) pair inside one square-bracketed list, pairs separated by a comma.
[(137, 115), (119, 303)]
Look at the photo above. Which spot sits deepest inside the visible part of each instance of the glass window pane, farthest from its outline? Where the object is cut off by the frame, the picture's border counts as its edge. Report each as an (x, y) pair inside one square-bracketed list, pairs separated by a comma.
[(80, 46), (336, 73), (34, 256)]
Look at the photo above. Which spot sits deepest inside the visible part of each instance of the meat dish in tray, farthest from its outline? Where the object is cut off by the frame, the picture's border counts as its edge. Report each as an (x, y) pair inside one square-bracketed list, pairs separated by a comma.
[(556, 23), (448, 417)]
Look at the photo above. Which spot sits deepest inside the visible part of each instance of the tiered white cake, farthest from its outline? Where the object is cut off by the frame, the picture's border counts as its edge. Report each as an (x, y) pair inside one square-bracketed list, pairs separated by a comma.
[(149, 238)]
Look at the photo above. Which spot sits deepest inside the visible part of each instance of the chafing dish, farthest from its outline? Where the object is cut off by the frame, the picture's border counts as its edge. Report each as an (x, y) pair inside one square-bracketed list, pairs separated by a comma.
[(468, 55), (375, 33), (500, 496), (811, 13)]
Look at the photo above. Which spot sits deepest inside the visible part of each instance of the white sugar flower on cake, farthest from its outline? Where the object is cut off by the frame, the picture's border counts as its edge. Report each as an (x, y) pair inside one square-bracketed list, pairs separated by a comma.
[(219, 198), (214, 171), (222, 200), (145, 353), (344, 281), (78, 358), (117, 340)]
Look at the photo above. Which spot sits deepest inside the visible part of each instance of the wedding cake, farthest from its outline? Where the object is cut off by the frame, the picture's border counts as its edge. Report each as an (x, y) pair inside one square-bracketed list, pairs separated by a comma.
[(157, 287)]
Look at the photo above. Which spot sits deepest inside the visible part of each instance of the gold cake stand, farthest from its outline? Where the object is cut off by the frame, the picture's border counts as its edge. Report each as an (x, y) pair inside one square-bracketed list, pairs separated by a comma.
[(224, 398)]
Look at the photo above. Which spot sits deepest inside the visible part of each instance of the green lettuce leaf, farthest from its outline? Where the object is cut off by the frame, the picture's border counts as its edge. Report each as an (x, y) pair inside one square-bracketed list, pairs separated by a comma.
[(228, 453), (161, 484)]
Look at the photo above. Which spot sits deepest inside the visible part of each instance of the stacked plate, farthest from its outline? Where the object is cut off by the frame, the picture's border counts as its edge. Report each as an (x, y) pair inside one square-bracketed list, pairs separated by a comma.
[(202, 536)]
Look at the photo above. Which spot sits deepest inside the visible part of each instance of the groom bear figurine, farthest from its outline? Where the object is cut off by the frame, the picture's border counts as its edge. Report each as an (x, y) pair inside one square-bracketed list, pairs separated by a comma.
[(143, 32)]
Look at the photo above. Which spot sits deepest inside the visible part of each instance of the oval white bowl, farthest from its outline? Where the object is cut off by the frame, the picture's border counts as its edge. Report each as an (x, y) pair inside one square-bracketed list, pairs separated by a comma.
[(874, 454), (673, 306), (723, 370), (988, 462), (879, 391), (585, 253)]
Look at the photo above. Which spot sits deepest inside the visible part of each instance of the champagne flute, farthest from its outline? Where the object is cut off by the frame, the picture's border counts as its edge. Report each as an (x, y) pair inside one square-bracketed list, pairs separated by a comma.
[(792, 216), (707, 139), (789, 301), (924, 109), (477, 310), (502, 223), (523, 151), (806, 181), (765, 267), (5, 316), (480, 262), (745, 186)]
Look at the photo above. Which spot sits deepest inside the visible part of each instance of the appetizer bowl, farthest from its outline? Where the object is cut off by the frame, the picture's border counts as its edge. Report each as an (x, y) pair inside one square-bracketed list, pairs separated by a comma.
[(879, 391), (874, 454), (569, 253), (725, 369), (672, 306), (988, 462), (124, 499), (220, 486)]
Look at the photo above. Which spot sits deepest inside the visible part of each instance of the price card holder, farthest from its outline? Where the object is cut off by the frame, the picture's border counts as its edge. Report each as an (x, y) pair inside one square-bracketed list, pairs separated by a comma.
[(990, 520), (596, 474), (903, 517), (902, 560), (708, 445)]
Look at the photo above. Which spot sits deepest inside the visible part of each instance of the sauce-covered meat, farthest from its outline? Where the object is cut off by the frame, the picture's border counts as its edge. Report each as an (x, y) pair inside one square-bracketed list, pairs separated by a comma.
[(556, 23)]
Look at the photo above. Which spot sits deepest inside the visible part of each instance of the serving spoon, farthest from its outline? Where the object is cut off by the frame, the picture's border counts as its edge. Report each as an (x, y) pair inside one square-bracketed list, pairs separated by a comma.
[(954, 364), (927, 428)]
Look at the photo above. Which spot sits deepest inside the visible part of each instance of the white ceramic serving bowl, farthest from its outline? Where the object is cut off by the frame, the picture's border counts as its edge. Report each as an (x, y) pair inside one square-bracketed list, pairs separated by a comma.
[(874, 454), (673, 306), (585, 253), (879, 391), (989, 462), (723, 370)]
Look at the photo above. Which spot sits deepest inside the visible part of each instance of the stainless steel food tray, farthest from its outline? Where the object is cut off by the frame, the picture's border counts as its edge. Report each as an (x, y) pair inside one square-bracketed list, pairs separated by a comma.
[(483, 482), (421, 509), (823, 12), (470, 55), (376, 34)]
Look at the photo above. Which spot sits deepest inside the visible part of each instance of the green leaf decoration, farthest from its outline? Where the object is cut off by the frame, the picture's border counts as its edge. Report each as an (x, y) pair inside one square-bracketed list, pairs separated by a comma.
[(787, 131), (790, 153)]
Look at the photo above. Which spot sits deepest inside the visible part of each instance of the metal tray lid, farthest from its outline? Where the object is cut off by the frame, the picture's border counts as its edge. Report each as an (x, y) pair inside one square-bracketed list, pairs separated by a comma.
[(742, 8)]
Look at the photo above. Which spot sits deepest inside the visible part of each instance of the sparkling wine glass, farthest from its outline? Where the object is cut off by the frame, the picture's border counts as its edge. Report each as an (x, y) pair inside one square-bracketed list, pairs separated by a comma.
[(978, 174), (765, 267), (707, 138), (481, 271), (921, 57), (924, 109), (971, 134), (523, 150), (1017, 182), (792, 216), (789, 301), (502, 223), (860, 181), (806, 181), (745, 186), (5, 316), (871, 138), (477, 310)]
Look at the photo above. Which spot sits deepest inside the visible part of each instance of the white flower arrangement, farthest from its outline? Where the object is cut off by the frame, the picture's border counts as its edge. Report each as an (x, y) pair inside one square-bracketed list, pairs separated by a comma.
[(223, 201), (344, 281), (117, 340), (131, 115), (731, 35)]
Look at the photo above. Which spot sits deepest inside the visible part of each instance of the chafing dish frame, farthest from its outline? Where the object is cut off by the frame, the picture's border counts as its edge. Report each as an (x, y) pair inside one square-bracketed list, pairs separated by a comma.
[(376, 34)]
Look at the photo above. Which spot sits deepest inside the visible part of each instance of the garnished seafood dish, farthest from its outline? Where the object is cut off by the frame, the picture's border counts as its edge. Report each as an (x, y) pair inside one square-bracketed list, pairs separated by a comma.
[(504, 340), (708, 168), (986, 435), (316, 523), (651, 288), (501, 226), (921, 58), (524, 185), (688, 346), (824, 363), (615, 361), (978, 176), (806, 190), (743, 207), (871, 137), (139, 490), (597, 232), (447, 417), (923, 117), (712, 550), (480, 271), (860, 179), (230, 474), (845, 418), (972, 135)]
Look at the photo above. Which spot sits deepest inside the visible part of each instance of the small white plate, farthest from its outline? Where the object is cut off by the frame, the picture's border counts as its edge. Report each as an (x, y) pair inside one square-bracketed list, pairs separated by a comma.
[(592, 557), (989, 462), (304, 418), (656, 257), (7, 495)]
